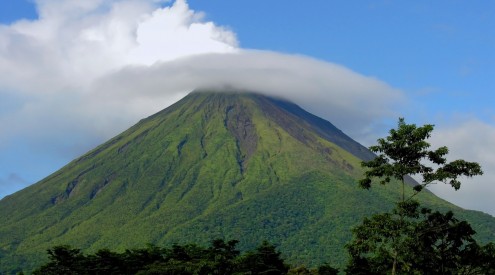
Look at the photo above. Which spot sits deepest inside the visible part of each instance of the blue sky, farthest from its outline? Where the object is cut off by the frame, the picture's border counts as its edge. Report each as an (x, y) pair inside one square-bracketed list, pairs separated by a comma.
[(441, 48), (372, 61)]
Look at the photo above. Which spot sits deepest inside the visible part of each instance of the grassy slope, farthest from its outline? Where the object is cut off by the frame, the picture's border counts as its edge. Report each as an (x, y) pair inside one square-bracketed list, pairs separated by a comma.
[(191, 173)]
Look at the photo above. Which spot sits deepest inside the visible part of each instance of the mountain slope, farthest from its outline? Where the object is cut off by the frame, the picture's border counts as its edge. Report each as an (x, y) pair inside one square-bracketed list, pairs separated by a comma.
[(231, 165)]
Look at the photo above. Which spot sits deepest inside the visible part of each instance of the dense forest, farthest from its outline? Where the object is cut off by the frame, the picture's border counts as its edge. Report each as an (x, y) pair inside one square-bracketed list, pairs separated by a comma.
[(447, 248), (220, 257)]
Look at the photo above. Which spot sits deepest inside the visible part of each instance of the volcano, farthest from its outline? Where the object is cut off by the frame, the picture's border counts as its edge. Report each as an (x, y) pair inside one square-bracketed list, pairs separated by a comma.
[(229, 165)]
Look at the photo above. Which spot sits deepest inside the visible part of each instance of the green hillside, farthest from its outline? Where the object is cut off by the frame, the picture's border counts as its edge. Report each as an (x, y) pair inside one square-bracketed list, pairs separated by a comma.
[(214, 165)]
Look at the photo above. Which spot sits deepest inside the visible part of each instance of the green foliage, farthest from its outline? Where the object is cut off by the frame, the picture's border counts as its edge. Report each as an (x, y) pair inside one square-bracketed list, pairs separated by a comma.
[(403, 153), (63, 260), (421, 242), (263, 260), (326, 269), (220, 258), (409, 240)]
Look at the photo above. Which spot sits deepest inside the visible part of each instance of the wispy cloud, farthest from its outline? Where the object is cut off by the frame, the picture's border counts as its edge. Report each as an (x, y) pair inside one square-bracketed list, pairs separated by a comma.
[(352, 101)]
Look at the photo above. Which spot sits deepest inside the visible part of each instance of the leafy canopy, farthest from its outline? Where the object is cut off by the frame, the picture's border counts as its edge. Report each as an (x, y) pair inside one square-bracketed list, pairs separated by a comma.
[(406, 152), (410, 239), (421, 242), (220, 258)]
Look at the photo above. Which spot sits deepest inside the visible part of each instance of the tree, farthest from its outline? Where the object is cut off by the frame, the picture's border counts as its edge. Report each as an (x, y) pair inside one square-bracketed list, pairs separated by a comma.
[(326, 269), (433, 243), (63, 260), (411, 238), (265, 259), (404, 152), (106, 262), (222, 255), (441, 243)]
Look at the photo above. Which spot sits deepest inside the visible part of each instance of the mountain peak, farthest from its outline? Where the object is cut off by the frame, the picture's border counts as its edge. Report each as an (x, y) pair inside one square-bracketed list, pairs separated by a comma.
[(285, 113), (233, 165)]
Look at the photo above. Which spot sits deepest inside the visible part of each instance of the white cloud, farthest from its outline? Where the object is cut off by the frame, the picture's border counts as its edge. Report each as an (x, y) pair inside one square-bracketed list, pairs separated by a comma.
[(350, 100), (74, 42), (48, 66), (471, 140), (177, 31)]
